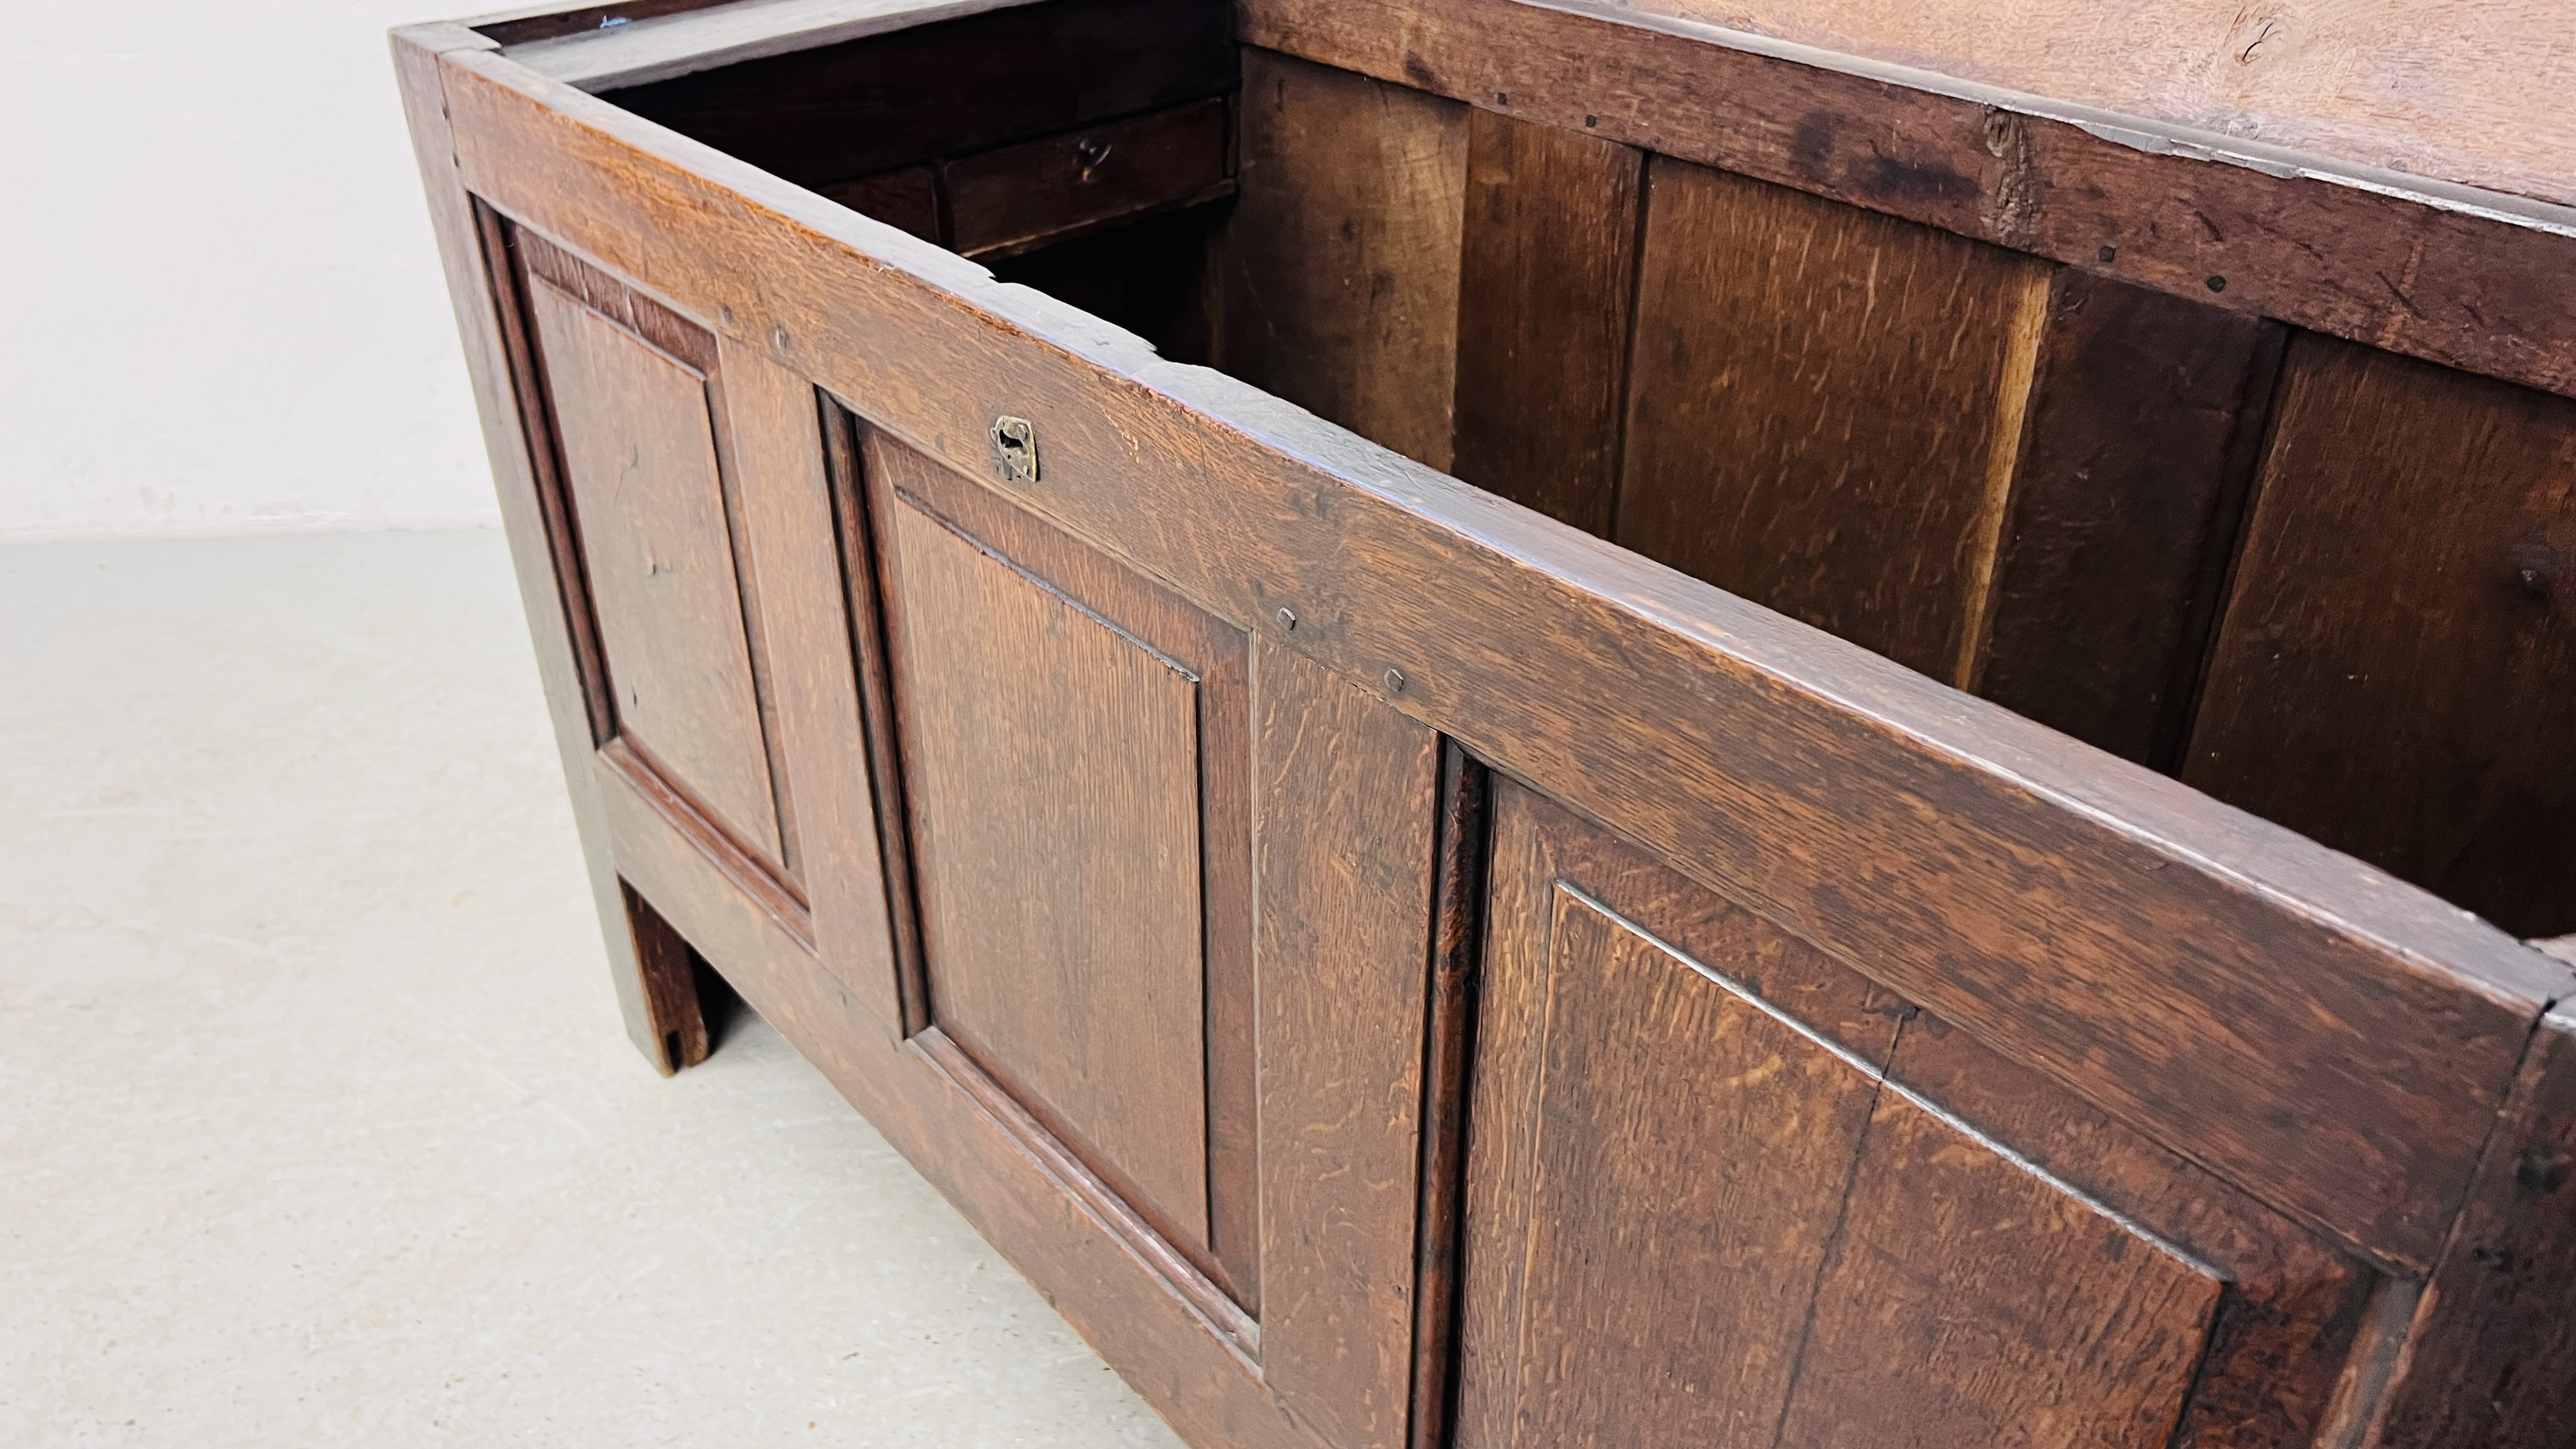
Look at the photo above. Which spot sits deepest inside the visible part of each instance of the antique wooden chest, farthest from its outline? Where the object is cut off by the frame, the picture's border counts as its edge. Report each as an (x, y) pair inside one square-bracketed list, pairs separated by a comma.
[(1514, 724)]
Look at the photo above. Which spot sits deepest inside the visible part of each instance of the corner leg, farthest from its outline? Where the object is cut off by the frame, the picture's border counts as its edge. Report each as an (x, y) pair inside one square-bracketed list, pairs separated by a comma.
[(671, 1026)]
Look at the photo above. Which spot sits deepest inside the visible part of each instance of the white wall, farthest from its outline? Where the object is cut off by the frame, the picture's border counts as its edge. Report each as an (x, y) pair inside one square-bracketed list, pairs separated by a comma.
[(220, 303)]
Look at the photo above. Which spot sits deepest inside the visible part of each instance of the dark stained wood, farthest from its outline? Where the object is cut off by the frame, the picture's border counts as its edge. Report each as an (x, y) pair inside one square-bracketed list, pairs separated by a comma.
[(1151, 276), (2396, 672), (1113, 1295), (1344, 948), (911, 96), (1217, 661), (906, 198), (669, 989), (1212, 1303), (1546, 287), (2144, 424), (1825, 408), (483, 287), (2197, 974), (2293, 1313), (2492, 1358), (1023, 196), (1457, 923), (2457, 276), (639, 456), (791, 541), (1653, 1183), (1968, 1300), (1340, 283), (1081, 988)]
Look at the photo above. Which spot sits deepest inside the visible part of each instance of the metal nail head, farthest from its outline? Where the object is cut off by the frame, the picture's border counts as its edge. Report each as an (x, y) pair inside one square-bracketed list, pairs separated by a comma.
[(1015, 449), (1395, 681), (1287, 618)]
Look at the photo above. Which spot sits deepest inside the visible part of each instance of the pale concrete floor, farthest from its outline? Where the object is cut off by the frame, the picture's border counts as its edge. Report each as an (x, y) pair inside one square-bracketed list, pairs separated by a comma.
[(316, 1122)]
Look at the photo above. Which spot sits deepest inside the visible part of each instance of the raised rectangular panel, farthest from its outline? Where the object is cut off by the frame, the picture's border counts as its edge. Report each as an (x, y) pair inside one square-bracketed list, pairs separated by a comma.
[(647, 495), (1076, 762), (1708, 1204)]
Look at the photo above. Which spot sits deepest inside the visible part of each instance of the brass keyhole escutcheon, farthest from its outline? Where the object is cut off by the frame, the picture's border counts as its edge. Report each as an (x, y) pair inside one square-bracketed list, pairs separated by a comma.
[(1015, 449)]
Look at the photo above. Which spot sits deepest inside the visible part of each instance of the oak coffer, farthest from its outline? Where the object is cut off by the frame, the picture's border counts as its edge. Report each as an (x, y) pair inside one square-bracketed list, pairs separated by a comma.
[(1509, 724)]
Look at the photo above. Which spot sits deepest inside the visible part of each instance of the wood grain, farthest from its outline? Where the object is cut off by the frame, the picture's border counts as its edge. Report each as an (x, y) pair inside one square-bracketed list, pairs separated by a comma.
[(1824, 408), (483, 288), (2292, 1315), (1348, 797), (1217, 658), (2144, 426), (1022, 196), (910, 96), (791, 535), (1546, 291), (1340, 282), (2194, 972), (1080, 988), (2457, 276), (1117, 1298), (906, 198), (2492, 1358), (1970, 1301), (2396, 674), (2427, 88), (1458, 940), (639, 454), (1671, 1228)]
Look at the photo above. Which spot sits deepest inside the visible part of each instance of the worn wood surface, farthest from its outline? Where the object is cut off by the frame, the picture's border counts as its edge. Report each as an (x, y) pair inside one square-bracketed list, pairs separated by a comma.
[(2292, 1313), (2396, 674), (639, 455), (1048, 748), (888, 981), (2143, 427), (1214, 660), (1547, 282), (1702, 1212), (1656, 1165), (906, 198), (2492, 1358), (791, 537), (872, 104), (2430, 87), (1349, 796), (1970, 1301), (1448, 1057), (1021, 196), (2086, 918), (482, 288), (669, 986), (2464, 278), (1825, 409), (1118, 1298), (1340, 281)]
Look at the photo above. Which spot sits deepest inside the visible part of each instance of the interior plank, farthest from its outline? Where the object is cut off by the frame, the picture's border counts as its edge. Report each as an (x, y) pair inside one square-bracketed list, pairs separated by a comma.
[(1824, 409), (2396, 673), (1546, 290), (1340, 263), (2144, 426)]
